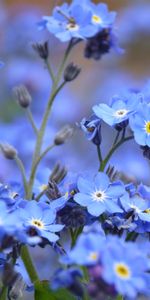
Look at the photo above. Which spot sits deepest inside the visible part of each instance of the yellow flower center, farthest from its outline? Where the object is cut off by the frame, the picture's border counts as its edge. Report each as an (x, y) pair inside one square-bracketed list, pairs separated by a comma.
[(122, 271), (43, 187), (37, 223), (93, 256), (147, 127), (96, 19), (147, 210)]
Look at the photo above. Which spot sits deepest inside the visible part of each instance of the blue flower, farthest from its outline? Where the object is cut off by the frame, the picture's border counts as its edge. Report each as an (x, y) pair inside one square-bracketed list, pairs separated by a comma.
[(33, 215), (99, 195), (140, 124), (87, 250), (101, 17), (92, 129), (65, 278), (125, 265), (121, 108), (70, 21), (137, 204)]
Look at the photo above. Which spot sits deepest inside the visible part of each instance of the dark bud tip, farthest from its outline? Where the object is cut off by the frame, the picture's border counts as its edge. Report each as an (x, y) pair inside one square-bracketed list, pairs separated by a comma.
[(41, 49), (63, 135), (8, 151), (22, 96), (71, 72)]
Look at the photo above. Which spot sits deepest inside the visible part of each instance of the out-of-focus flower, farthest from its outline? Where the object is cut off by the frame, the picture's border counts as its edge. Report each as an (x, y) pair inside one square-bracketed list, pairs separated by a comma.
[(68, 279), (140, 124), (124, 266)]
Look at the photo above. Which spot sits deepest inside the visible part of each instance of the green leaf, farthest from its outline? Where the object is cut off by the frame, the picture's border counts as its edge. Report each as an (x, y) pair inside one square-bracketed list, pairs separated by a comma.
[(43, 292)]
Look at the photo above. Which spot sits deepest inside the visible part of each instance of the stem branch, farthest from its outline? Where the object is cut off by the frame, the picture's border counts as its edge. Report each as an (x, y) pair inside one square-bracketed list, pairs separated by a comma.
[(112, 150)]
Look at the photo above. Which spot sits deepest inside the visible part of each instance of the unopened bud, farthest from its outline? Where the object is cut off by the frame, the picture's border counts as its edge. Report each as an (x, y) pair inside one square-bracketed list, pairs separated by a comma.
[(63, 135), (58, 174), (9, 151), (71, 72), (22, 96), (41, 49), (17, 289)]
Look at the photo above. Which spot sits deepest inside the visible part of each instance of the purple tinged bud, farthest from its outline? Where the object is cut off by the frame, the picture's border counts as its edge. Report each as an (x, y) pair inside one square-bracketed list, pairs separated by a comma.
[(41, 49), (71, 72), (63, 135), (8, 151), (22, 96)]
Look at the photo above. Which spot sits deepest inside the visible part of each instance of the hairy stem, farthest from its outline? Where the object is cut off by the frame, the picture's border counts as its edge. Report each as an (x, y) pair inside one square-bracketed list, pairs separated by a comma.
[(30, 117), (22, 170)]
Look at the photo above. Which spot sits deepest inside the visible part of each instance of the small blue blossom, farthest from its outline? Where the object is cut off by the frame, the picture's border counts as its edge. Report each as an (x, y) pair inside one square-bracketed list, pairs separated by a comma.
[(101, 17), (140, 206), (120, 109), (92, 129), (140, 124), (99, 195), (87, 250), (70, 21), (125, 266), (39, 218), (65, 278)]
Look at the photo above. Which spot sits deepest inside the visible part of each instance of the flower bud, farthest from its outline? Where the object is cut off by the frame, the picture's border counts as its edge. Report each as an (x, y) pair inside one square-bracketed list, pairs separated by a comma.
[(22, 96), (17, 289), (41, 49), (58, 174), (9, 151), (71, 72), (64, 134)]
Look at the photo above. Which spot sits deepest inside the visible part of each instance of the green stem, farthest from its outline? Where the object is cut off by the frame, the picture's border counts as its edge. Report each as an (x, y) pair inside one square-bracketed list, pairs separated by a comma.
[(40, 158), (50, 69), (3, 293), (37, 198), (30, 117), (112, 150), (99, 154), (116, 138), (119, 297), (55, 90), (25, 256), (22, 170)]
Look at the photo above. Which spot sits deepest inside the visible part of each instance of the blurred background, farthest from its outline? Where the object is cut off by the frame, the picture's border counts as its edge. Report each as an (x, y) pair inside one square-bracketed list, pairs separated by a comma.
[(98, 81)]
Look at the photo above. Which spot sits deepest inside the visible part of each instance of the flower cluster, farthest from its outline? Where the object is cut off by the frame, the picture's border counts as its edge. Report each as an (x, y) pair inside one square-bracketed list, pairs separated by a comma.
[(83, 21)]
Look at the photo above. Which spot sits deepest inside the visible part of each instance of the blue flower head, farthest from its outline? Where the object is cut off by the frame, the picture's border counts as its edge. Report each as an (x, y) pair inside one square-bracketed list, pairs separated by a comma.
[(33, 215), (87, 250), (78, 20), (139, 206), (124, 266), (99, 195), (65, 278), (140, 124), (101, 17), (120, 109), (70, 21)]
